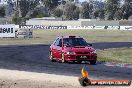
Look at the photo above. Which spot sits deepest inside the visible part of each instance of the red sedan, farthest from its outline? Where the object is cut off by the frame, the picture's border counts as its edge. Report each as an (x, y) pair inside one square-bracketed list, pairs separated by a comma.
[(72, 48)]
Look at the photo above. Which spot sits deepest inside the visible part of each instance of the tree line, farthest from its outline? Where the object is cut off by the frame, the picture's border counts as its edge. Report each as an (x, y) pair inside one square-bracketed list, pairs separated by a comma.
[(109, 10)]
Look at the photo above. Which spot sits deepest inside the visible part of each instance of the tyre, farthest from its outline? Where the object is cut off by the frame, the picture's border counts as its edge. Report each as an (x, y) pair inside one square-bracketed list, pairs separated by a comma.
[(62, 58), (51, 57), (93, 62), (84, 82)]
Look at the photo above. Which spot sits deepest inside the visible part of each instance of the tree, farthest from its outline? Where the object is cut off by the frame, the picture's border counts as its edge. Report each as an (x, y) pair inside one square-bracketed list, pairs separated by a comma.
[(99, 13), (26, 6), (130, 17), (16, 19), (58, 12), (118, 15), (71, 11), (76, 13), (33, 4), (96, 14), (96, 9), (111, 7), (127, 10), (51, 4), (38, 13), (85, 13), (2, 11)]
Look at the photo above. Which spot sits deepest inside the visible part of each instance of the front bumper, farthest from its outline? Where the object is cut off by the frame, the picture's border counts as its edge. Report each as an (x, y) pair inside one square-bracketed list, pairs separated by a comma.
[(80, 57)]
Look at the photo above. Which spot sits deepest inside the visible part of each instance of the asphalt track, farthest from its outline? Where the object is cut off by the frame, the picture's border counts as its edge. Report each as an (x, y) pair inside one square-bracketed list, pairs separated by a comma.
[(34, 58)]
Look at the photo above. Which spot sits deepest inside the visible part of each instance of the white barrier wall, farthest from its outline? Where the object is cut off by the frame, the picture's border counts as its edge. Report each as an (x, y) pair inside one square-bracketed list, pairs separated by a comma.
[(113, 27), (128, 27), (79, 27), (75, 27), (125, 27), (7, 30), (99, 27), (41, 27), (12, 30)]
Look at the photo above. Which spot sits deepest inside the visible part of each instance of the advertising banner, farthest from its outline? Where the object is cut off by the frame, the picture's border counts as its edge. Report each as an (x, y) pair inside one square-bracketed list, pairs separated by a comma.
[(128, 27), (7, 30), (113, 27), (125, 27), (99, 27), (42, 27)]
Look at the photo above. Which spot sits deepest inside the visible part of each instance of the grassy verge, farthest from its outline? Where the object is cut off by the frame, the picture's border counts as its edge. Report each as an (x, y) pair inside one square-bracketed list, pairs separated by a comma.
[(47, 36), (89, 35), (121, 55)]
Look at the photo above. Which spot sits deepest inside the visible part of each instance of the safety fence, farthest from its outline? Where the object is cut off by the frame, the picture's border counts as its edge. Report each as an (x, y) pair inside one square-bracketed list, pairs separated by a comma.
[(12, 30), (75, 27)]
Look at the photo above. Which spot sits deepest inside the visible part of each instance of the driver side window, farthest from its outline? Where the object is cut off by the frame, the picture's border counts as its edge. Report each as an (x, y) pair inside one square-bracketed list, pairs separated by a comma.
[(58, 42)]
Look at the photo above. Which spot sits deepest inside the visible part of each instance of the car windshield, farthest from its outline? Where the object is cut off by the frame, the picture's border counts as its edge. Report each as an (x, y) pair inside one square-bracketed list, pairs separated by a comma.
[(75, 42)]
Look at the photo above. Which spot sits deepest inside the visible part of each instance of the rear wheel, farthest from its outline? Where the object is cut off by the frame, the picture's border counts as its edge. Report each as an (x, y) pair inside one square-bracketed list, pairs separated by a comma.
[(51, 57), (93, 62)]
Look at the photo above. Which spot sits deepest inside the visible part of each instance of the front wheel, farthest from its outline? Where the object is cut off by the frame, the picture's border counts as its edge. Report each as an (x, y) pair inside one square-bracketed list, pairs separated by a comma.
[(62, 58), (93, 62), (51, 57)]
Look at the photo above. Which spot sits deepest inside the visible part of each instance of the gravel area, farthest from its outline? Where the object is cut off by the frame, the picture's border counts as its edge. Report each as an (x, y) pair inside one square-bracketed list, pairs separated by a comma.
[(22, 79)]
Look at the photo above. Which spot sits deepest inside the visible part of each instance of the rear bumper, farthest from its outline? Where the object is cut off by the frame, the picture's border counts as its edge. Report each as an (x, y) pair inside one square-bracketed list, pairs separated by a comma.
[(81, 57)]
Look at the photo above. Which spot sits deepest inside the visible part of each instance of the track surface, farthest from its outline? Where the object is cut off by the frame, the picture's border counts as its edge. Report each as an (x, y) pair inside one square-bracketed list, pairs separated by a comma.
[(34, 58)]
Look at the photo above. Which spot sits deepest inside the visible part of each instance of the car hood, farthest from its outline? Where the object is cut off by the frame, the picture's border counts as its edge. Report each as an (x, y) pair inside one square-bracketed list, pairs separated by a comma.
[(79, 49)]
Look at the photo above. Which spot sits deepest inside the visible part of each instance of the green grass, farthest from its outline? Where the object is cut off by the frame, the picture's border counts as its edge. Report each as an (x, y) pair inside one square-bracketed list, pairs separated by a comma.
[(122, 55), (89, 35), (47, 36)]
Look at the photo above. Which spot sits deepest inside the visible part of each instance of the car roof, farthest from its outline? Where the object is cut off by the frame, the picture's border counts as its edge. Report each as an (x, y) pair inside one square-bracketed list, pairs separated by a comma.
[(70, 36)]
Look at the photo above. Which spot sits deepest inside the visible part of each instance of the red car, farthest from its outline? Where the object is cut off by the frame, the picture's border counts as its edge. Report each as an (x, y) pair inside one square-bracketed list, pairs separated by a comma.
[(72, 48)]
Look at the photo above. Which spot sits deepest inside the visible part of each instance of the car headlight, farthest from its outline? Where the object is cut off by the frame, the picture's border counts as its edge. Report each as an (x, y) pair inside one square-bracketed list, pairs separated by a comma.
[(71, 53), (93, 52)]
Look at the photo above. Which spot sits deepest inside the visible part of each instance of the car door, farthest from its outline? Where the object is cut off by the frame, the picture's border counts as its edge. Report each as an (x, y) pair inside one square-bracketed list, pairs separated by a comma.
[(54, 48), (59, 49)]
